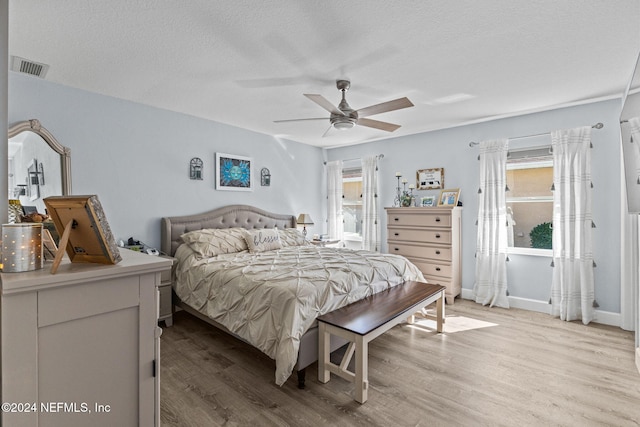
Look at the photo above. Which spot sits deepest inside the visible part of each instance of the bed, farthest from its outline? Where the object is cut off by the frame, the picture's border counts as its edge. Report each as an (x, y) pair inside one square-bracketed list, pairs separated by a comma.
[(250, 272)]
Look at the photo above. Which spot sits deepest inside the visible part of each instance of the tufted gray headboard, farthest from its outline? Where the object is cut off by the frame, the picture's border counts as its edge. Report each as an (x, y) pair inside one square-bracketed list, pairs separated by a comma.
[(244, 216)]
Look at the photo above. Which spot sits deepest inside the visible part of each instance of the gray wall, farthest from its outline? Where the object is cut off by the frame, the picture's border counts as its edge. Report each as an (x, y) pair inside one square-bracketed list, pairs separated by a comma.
[(136, 158), (529, 276)]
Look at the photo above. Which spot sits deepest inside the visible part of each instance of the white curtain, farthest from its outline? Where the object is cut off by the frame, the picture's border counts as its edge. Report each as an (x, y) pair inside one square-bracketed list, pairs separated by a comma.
[(491, 249), (370, 223), (572, 289), (629, 278), (634, 127), (335, 220), (630, 254)]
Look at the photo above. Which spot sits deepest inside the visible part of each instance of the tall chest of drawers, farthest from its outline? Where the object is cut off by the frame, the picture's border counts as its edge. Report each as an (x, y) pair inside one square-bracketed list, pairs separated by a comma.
[(429, 238)]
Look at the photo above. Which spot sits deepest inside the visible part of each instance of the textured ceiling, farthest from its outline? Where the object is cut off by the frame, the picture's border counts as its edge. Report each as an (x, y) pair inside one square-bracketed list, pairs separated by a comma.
[(248, 62)]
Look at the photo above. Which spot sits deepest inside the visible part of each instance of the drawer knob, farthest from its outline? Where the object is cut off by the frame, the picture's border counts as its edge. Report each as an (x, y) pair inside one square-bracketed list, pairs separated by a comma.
[(437, 268), (437, 219), (438, 236), (396, 219), (396, 234), (437, 252), (396, 249)]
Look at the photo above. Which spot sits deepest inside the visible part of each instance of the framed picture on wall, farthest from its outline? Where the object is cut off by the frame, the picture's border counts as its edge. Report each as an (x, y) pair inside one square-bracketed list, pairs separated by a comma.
[(449, 197), (33, 181), (430, 179), (233, 172)]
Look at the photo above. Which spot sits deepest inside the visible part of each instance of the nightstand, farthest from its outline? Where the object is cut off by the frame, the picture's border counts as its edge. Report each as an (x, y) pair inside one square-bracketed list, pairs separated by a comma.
[(324, 242), (165, 306)]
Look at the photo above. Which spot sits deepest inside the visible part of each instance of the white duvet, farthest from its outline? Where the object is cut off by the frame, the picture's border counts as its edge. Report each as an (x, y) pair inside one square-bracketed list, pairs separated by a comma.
[(271, 298)]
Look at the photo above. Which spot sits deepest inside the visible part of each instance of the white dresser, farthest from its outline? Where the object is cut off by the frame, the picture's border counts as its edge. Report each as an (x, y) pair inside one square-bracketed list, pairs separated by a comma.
[(82, 346), (429, 238)]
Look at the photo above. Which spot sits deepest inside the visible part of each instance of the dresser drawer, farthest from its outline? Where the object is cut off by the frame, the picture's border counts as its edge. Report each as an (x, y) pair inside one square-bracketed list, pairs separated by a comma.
[(433, 269), (419, 236), (408, 250), (427, 219)]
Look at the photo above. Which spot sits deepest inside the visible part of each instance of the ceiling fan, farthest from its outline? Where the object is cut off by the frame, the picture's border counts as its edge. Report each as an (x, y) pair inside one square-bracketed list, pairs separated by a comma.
[(344, 117)]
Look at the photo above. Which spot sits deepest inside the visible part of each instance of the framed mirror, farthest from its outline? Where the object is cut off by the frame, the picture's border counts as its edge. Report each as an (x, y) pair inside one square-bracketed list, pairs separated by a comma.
[(38, 165)]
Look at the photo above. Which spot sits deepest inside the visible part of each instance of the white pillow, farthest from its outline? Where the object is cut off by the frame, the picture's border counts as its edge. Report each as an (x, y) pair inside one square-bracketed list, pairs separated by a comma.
[(291, 237), (263, 239), (211, 242)]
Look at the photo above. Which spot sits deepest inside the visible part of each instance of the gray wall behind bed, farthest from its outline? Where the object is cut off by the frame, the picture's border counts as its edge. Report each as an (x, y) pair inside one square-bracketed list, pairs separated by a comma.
[(136, 158)]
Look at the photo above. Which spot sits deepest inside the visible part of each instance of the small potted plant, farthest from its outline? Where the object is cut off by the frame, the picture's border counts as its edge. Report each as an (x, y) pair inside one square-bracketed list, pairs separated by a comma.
[(541, 236)]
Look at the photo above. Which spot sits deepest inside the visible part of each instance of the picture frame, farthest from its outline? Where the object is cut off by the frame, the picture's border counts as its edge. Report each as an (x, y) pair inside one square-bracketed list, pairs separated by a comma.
[(233, 173), (49, 247), (428, 202), (430, 179), (84, 230), (33, 183), (449, 197)]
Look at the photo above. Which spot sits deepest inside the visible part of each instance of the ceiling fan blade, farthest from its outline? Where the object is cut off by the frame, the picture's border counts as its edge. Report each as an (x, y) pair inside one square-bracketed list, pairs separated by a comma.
[(300, 120), (396, 104), (389, 127), (324, 103)]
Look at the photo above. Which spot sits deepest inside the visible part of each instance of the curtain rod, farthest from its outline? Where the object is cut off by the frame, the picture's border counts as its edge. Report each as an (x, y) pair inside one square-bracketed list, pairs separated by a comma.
[(596, 126), (380, 156)]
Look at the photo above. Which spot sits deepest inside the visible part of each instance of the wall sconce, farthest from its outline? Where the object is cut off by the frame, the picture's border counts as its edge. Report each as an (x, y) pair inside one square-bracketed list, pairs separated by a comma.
[(21, 247), (195, 168), (265, 177)]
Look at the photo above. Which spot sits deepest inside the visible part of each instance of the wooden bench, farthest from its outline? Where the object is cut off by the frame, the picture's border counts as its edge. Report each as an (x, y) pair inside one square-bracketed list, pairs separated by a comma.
[(367, 319)]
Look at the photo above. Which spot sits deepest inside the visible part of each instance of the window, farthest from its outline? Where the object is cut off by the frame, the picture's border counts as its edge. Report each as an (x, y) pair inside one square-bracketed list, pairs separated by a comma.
[(352, 203), (530, 199)]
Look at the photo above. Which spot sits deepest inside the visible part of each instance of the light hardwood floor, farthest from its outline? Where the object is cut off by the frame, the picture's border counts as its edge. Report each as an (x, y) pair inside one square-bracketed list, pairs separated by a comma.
[(491, 367)]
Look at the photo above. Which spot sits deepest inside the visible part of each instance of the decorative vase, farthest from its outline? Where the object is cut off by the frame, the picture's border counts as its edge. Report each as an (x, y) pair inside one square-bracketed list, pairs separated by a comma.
[(406, 201)]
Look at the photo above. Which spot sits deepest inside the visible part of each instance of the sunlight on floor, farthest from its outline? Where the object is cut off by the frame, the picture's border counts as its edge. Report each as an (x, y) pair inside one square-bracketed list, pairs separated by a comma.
[(452, 324)]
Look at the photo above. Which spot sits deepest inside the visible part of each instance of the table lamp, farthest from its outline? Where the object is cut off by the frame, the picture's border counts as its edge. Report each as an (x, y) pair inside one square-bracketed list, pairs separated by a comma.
[(304, 219)]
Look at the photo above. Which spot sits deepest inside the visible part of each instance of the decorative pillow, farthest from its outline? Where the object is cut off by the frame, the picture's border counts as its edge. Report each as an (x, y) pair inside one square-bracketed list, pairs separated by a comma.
[(292, 237), (263, 239), (211, 242)]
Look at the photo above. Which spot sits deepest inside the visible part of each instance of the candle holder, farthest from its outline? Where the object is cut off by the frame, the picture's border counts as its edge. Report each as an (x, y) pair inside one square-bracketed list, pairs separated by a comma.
[(21, 247), (405, 198), (397, 202)]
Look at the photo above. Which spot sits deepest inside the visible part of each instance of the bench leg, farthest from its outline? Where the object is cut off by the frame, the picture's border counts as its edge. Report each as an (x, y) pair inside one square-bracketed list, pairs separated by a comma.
[(362, 367), (324, 353), (440, 312)]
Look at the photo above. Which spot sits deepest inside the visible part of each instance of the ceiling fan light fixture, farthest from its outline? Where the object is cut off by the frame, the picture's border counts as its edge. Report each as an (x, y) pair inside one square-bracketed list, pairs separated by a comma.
[(343, 125), (344, 117)]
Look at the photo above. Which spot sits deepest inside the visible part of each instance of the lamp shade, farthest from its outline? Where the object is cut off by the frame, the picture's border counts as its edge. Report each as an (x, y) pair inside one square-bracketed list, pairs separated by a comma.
[(304, 219)]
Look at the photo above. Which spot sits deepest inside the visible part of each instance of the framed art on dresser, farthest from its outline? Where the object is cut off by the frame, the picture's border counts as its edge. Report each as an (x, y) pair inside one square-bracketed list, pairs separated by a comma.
[(449, 197), (83, 228), (427, 202)]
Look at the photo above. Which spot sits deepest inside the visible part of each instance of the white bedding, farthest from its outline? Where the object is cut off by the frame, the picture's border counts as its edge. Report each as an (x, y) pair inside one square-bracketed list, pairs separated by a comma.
[(270, 299)]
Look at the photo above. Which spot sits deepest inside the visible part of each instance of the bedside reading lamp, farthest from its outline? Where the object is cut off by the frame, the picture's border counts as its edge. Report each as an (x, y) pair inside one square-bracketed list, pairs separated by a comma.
[(304, 219)]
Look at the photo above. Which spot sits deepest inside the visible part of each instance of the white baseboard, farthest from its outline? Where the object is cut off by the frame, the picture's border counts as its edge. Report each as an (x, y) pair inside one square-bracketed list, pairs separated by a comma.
[(603, 317)]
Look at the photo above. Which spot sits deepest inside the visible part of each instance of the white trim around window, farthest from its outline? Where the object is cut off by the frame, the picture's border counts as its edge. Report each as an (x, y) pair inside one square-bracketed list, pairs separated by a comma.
[(511, 250)]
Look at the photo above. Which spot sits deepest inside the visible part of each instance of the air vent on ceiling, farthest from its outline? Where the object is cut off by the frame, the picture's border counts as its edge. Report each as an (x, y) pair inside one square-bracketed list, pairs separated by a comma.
[(26, 66)]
